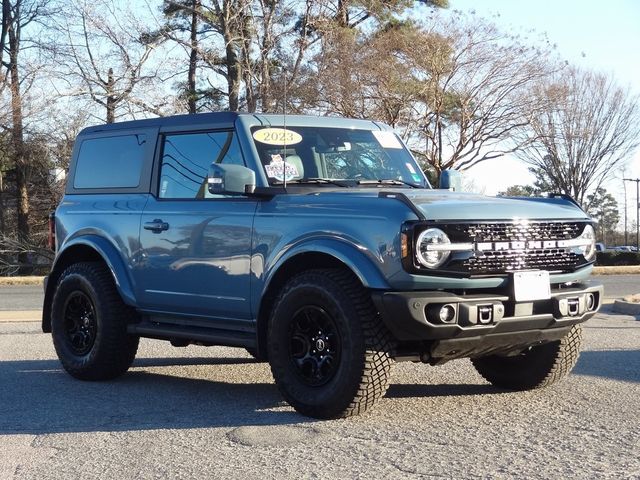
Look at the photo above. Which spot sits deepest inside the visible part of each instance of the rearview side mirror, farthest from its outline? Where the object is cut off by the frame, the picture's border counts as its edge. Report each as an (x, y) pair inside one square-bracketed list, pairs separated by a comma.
[(451, 180), (230, 180)]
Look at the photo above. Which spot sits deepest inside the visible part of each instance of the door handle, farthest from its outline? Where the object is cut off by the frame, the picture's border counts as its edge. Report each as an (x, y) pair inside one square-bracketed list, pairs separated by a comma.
[(156, 226)]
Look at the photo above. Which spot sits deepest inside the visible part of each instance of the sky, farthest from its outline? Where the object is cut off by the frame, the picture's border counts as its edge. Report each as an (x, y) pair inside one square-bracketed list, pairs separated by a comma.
[(602, 36)]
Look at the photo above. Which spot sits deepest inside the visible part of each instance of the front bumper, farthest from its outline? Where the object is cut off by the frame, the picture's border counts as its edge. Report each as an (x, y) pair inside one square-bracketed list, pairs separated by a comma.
[(414, 315)]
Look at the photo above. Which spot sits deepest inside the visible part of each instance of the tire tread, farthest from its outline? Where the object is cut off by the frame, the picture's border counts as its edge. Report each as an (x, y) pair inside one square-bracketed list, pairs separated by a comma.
[(562, 356), (378, 343), (117, 349)]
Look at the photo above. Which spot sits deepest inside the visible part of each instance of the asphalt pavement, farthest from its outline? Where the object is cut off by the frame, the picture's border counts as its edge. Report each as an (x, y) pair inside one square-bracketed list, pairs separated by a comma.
[(201, 412), (19, 297)]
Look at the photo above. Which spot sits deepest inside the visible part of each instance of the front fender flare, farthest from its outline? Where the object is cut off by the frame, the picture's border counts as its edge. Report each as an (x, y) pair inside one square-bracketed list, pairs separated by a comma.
[(358, 260)]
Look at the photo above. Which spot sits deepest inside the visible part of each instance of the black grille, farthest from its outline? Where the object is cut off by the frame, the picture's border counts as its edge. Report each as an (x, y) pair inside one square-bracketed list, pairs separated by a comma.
[(513, 232), (495, 260)]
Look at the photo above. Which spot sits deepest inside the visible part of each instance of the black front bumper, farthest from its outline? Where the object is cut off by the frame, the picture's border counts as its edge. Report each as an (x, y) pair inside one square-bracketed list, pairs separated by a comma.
[(413, 316)]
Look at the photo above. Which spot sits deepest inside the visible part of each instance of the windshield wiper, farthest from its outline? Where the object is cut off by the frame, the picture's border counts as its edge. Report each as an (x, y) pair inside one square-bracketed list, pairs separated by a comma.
[(387, 181), (314, 181)]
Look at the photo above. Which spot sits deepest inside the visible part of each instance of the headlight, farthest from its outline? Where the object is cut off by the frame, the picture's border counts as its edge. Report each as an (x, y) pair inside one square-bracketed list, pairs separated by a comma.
[(589, 250), (432, 248)]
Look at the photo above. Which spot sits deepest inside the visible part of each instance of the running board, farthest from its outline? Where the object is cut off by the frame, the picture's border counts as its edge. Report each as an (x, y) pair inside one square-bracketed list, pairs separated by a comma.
[(195, 334)]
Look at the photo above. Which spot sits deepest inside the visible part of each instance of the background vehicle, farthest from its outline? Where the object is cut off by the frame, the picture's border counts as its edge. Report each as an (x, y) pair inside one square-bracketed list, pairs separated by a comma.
[(624, 248), (320, 247)]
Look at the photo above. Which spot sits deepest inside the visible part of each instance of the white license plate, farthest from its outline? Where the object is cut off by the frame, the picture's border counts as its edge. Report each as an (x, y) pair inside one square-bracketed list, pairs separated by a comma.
[(528, 286)]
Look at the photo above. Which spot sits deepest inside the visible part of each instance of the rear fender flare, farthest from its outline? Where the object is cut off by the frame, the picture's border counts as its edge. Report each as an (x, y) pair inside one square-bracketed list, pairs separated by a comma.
[(88, 248)]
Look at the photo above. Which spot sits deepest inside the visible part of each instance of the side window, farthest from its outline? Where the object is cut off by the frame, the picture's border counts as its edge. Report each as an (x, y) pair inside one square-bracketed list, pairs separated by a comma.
[(110, 162), (186, 159)]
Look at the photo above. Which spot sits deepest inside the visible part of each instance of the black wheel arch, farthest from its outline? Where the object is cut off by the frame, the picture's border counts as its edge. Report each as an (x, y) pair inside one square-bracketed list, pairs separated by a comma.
[(87, 250), (290, 268)]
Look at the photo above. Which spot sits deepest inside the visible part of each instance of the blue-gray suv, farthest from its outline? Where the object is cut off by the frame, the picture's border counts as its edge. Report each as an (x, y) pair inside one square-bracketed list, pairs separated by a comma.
[(317, 244)]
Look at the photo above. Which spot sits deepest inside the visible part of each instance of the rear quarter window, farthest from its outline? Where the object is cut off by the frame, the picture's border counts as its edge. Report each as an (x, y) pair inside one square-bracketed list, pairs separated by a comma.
[(110, 162)]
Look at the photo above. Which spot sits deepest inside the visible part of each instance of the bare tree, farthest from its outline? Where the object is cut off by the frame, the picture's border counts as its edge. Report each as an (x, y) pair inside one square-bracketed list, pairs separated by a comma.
[(475, 92), (587, 128), (17, 15), (455, 88), (13, 252), (103, 54)]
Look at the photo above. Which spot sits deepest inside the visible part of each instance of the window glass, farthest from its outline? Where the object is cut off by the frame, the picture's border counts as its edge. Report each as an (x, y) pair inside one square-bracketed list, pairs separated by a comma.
[(110, 162), (344, 155), (186, 159)]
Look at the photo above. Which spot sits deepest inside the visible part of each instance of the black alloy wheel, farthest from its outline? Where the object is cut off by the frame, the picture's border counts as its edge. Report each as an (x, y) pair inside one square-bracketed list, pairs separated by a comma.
[(329, 351), (80, 323), (315, 345)]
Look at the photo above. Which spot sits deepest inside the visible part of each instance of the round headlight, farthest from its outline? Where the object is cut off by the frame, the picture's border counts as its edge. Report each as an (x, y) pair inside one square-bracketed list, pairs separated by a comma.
[(589, 251), (431, 248)]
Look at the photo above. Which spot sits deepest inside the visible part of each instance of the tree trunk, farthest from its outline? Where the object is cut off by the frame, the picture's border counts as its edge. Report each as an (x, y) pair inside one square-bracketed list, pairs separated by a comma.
[(1, 204), (193, 59), (233, 77), (17, 137), (247, 67), (111, 98), (265, 86), (252, 101), (342, 15), (264, 89), (234, 70)]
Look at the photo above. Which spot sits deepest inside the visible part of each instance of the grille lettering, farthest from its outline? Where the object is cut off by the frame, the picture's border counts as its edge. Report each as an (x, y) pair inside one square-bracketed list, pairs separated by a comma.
[(521, 245)]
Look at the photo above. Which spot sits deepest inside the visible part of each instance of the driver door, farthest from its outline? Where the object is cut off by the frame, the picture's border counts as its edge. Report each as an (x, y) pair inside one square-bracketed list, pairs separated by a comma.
[(196, 247)]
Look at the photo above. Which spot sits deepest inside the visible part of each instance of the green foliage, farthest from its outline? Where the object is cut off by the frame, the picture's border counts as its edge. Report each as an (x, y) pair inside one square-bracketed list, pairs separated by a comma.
[(431, 174), (603, 207), (542, 184), (617, 258), (520, 191)]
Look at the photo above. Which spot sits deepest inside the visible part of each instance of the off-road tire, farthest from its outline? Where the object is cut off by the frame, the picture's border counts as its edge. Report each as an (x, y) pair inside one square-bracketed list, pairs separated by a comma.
[(361, 375), (536, 367), (112, 350)]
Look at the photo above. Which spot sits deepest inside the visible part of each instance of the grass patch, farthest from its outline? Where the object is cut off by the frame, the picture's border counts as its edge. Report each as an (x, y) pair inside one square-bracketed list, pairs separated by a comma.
[(35, 280), (617, 270)]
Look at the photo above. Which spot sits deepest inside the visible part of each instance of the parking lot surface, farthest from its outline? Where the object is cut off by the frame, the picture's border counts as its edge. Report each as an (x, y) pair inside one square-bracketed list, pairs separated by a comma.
[(200, 412)]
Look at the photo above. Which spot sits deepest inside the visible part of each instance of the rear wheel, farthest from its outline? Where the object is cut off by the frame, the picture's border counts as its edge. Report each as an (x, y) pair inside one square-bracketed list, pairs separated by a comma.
[(89, 324), (536, 367), (330, 354)]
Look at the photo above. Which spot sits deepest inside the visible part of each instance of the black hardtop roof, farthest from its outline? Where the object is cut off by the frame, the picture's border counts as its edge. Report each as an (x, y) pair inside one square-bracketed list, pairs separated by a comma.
[(174, 120), (220, 119)]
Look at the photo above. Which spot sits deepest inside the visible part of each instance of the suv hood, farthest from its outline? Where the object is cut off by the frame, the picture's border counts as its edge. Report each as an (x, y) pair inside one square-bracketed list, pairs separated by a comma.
[(443, 205)]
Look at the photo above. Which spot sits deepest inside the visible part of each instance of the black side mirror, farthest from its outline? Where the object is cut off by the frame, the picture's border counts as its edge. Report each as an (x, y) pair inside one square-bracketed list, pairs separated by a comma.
[(230, 180), (451, 180)]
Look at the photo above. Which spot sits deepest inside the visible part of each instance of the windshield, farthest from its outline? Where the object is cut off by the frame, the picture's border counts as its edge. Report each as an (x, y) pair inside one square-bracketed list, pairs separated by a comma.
[(337, 156)]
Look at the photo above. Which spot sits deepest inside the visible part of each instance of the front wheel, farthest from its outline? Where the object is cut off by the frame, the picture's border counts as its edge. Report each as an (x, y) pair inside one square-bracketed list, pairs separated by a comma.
[(330, 353), (536, 367), (89, 324)]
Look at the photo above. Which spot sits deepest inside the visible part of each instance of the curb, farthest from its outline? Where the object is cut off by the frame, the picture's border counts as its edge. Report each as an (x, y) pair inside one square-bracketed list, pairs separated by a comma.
[(627, 308)]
